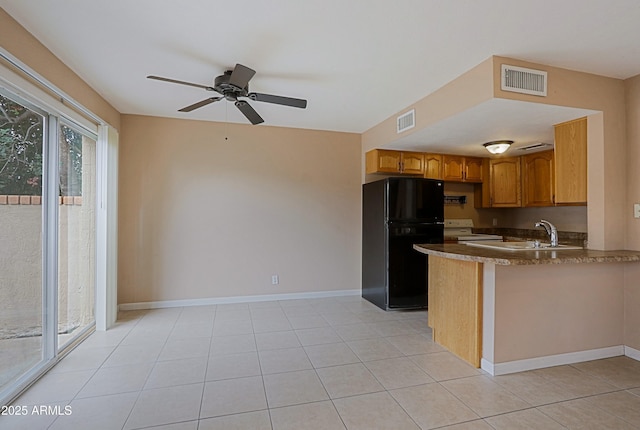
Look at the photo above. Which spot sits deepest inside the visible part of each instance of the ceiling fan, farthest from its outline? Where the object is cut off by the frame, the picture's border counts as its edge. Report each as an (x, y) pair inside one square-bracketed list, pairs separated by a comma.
[(233, 85)]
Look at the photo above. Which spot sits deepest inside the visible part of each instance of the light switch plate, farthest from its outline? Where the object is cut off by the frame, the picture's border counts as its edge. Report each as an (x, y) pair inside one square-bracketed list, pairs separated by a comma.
[(636, 210)]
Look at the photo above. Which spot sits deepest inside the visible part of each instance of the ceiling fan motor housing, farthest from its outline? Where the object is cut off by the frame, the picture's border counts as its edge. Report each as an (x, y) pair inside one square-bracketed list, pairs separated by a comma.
[(229, 91)]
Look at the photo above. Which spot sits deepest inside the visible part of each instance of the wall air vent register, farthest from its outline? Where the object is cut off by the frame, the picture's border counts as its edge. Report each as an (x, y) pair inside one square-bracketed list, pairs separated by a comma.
[(525, 81), (406, 121)]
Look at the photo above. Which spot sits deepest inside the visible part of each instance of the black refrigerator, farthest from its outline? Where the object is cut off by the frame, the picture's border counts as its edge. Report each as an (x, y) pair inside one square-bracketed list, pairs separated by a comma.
[(397, 213)]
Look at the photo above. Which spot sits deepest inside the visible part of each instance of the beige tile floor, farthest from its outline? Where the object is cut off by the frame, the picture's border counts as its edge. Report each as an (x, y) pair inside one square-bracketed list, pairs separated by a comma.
[(332, 363)]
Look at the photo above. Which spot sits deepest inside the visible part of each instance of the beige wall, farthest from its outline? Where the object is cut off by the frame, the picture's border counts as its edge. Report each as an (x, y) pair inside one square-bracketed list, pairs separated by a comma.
[(205, 217), (632, 87), (557, 309), (632, 306), (572, 218), (26, 48), (21, 268), (632, 272)]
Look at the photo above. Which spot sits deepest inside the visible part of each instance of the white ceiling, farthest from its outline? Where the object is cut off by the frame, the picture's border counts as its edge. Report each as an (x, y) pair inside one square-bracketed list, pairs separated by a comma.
[(357, 62)]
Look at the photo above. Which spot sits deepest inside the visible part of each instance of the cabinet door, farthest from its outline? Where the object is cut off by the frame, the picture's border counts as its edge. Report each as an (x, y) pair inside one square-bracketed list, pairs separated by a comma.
[(412, 163), (455, 306), (537, 179), (452, 166), (504, 182), (473, 169), (570, 158), (433, 166), (383, 161)]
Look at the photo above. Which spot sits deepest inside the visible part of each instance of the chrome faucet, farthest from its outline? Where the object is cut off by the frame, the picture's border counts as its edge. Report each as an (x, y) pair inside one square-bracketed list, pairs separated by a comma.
[(551, 230)]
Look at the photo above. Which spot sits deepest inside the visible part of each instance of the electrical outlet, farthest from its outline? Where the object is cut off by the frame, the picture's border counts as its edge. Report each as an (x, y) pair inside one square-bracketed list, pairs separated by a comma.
[(495, 222), (275, 280), (636, 210)]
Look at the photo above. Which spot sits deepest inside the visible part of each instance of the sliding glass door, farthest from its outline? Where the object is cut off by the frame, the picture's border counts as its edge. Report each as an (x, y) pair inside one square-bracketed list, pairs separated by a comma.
[(22, 135), (47, 239), (76, 233)]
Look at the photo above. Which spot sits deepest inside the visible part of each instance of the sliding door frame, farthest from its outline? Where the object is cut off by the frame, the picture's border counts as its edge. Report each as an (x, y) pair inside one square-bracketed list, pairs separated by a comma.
[(55, 113)]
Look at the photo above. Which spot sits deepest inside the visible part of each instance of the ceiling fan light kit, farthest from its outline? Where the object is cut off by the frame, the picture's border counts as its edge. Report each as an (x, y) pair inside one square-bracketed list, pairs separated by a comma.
[(498, 146), (232, 85)]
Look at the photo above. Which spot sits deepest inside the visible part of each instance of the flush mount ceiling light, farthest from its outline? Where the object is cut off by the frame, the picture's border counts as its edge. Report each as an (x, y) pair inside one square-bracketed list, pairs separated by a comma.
[(498, 146)]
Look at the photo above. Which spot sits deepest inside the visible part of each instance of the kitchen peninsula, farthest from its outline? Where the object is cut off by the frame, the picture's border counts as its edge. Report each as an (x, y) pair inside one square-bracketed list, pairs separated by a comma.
[(510, 311)]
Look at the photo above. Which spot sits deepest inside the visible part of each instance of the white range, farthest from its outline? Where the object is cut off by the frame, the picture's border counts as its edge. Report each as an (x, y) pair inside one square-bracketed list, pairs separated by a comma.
[(461, 229)]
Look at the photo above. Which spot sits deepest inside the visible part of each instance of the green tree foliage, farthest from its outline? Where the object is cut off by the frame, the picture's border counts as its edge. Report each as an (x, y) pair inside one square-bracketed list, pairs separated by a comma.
[(21, 138), (20, 149), (70, 162)]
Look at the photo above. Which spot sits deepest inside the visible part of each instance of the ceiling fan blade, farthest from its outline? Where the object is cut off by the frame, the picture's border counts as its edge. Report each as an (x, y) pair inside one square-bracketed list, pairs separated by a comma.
[(199, 104), (241, 76), (175, 81), (249, 112), (279, 100)]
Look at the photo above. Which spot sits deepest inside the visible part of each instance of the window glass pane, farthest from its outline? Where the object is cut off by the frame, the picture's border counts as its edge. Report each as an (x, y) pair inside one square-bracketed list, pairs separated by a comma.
[(76, 238), (21, 143)]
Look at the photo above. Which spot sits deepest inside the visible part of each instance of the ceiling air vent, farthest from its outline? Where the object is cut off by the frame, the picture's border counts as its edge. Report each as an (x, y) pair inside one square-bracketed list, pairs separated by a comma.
[(535, 146), (525, 81), (406, 121)]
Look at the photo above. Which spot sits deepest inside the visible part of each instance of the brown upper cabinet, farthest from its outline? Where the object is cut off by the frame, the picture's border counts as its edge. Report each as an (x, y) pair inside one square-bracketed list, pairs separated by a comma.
[(473, 169), (538, 179), (461, 169), (504, 182), (549, 178), (433, 166), (501, 187), (389, 161), (570, 159)]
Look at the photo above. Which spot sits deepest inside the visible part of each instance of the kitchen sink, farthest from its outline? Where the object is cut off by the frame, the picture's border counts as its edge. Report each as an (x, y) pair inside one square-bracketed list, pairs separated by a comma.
[(520, 245)]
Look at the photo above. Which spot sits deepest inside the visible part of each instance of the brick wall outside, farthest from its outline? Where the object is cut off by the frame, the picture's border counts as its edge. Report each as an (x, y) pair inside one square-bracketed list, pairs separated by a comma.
[(37, 200)]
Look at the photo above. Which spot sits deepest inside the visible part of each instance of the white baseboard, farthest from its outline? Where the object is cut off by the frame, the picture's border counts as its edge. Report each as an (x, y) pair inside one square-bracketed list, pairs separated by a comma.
[(487, 366), (237, 299), (632, 353), (554, 360)]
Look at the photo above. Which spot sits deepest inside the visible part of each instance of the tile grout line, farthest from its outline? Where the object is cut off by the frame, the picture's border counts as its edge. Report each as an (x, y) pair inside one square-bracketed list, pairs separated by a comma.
[(153, 367), (264, 386), (206, 367)]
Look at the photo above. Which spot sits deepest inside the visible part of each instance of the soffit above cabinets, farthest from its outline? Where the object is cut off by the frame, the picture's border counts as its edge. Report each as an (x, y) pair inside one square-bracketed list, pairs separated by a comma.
[(525, 123)]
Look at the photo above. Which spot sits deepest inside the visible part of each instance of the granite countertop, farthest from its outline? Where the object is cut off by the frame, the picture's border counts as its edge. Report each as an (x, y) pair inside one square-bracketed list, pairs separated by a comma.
[(566, 237), (506, 258)]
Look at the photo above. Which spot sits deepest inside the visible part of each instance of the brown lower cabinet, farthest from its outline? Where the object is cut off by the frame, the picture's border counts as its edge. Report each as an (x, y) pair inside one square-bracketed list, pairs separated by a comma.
[(455, 306)]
